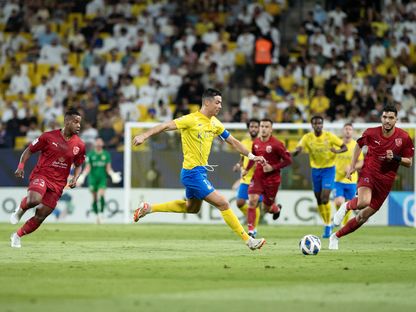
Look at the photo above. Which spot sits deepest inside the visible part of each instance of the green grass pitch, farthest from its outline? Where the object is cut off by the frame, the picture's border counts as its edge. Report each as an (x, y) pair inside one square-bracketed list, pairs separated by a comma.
[(204, 268)]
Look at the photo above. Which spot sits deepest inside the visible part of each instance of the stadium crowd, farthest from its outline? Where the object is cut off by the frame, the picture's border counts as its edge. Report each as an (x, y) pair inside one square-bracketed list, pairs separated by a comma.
[(118, 61)]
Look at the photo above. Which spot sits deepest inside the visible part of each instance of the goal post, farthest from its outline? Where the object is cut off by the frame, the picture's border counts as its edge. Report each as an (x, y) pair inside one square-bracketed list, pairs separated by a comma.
[(167, 152)]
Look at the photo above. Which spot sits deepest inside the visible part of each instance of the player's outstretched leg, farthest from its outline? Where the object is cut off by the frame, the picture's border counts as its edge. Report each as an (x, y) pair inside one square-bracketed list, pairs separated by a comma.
[(31, 225)]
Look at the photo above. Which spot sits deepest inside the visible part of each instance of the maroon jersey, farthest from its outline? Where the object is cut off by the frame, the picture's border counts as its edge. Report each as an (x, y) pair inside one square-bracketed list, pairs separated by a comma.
[(57, 156), (375, 162), (275, 154)]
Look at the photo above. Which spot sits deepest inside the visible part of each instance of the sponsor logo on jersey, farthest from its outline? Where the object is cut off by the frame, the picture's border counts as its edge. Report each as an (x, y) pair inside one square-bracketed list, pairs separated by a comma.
[(398, 142), (75, 150)]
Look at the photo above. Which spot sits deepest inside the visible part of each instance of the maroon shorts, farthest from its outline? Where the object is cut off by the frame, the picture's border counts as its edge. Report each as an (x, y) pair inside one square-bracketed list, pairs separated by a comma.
[(380, 188), (266, 188), (41, 185)]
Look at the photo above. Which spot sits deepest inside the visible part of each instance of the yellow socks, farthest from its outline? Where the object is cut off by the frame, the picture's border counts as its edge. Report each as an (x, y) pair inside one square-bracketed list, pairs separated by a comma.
[(325, 212), (172, 206), (231, 219)]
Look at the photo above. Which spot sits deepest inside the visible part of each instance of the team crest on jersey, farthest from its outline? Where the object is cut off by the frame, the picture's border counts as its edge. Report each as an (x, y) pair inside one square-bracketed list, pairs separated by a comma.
[(75, 150), (399, 142), (268, 148)]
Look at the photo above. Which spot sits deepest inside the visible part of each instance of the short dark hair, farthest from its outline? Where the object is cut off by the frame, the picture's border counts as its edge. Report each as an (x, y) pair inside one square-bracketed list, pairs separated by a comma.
[(317, 117), (268, 120), (72, 112), (348, 124), (390, 108), (210, 93), (253, 120)]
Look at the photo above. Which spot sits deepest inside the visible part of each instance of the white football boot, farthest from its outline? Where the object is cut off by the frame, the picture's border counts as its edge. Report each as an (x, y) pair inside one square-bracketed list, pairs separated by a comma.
[(16, 216), (333, 242), (255, 243), (144, 209), (340, 214), (15, 241)]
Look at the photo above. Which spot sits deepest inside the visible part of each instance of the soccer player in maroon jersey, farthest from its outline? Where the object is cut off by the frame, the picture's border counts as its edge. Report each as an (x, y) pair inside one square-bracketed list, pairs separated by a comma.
[(59, 150), (388, 148), (266, 178)]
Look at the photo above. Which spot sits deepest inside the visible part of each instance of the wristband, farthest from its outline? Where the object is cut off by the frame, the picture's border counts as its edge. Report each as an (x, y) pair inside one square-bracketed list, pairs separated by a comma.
[(250, 156), (397, 158), (21, 166)]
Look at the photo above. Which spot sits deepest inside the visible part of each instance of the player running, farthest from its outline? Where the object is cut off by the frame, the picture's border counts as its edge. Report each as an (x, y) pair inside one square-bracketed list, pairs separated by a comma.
[(266, 178), (59, 150), (322, 152), (346, 189), (388, 148), (198, 131), (97, 167), (242, 193)]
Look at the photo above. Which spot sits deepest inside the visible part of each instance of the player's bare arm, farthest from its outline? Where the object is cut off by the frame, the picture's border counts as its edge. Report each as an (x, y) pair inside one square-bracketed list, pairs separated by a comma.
[(166, 126), (354, 162), (297, 151), (404, 161), (238, 166), (236, 144), (20, 171), (83, 175), (342, 149), (77, 172)]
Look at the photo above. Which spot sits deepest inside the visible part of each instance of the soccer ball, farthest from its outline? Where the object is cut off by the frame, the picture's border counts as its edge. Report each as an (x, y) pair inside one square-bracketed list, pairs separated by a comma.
[(310, 244)]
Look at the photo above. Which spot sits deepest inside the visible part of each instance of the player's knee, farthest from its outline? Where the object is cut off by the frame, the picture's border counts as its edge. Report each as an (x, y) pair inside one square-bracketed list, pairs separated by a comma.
[(193, 209), (33, 201), (241, 203), (223, 205), (338, 203), (361, 217), (361, 204)]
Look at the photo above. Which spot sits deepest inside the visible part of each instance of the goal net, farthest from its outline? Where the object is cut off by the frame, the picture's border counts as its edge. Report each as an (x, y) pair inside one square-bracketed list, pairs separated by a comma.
[(152, 170)]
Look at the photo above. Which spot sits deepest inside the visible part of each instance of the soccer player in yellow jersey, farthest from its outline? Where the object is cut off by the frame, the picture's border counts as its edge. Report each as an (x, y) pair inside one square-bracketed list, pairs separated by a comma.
[(198, 130), (345, 188), (242, 194), (321, 146)]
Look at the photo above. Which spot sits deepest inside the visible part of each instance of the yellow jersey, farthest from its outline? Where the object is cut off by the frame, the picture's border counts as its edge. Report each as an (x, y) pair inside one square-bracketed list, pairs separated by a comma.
[(248, 143), (342, 161), (320, 155), (198, 131)]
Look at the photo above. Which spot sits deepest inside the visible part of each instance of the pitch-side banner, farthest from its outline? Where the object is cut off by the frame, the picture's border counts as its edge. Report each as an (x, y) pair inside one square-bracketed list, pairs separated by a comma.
[(299, 207)]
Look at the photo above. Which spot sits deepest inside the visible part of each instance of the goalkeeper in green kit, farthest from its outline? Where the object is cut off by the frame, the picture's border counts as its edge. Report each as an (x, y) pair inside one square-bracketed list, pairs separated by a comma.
[(98, 165)]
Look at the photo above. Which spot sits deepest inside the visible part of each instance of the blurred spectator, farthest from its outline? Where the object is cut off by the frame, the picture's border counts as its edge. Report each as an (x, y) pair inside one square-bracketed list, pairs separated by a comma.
[(88, 134), (52, 53), (20, 83), (3, 136), (33, 132), (108, 134)]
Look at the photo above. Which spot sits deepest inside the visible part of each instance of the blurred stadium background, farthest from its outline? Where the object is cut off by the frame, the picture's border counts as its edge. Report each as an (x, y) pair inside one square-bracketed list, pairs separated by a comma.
[(148, 61)]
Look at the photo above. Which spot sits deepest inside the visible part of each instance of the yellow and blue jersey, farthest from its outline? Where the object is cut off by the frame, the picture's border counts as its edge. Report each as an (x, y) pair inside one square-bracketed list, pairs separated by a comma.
[(343, 160), (319, 148), (248, 143), (198, 131)]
